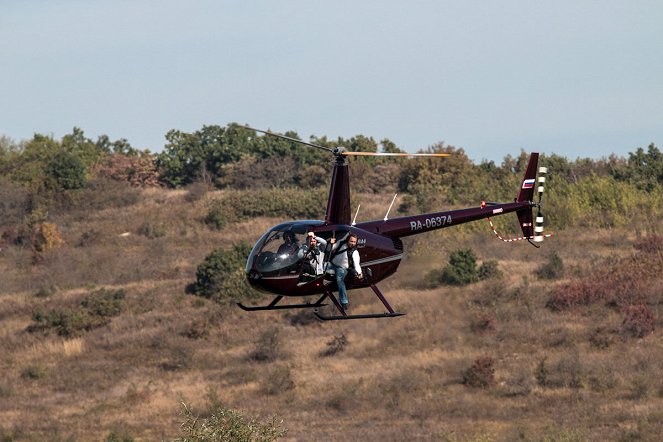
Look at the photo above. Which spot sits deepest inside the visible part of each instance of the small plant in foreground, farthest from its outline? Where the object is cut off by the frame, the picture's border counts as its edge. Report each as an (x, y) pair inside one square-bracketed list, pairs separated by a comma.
[(226, 424)]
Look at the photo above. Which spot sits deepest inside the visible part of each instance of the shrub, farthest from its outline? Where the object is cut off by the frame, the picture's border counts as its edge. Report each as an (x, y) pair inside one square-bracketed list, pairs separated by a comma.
[(489, 270), (553, 269), (115, 436), (481, 374), (482, 322), (462, 268), (226, 424), (34, 371), (268, 348), (221, 274), (541, 373), (336, 345), (278, 380), (46, 237), (104, 303), (152, 230), (638, 321), (94, 311)]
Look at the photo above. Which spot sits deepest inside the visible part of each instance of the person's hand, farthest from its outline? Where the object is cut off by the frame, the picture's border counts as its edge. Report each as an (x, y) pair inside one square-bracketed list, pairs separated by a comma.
[(360, 276), (333, 240), (310, 234)]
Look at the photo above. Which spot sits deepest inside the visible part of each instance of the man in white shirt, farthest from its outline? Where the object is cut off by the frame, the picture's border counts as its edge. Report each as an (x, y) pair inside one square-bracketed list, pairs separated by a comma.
[(344, 254)]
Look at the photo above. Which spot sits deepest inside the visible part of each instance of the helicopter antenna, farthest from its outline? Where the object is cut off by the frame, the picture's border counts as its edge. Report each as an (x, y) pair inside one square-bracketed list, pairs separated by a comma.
[(356, 213), (390, 205), (294, 140)]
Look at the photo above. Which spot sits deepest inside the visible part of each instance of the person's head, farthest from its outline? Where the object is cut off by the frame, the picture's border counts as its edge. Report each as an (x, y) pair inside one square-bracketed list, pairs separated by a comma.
[(288, 237), (352, 240), (312, 242)]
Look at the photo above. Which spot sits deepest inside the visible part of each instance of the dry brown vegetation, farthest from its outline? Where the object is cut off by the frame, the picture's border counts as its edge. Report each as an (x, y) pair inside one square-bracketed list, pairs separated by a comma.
[(548, 368)]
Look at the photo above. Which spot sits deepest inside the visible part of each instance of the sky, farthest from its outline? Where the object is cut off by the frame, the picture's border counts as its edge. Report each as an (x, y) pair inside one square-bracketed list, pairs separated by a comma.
[(572, 77)]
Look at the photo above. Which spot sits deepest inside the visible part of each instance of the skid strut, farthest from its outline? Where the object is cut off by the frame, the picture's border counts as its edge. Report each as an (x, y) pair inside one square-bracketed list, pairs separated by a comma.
[(389, 314)]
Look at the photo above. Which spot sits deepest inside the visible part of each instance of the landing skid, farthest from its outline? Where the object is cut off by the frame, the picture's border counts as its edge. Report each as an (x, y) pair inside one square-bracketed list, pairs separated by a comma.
[(273, 306), (367, 316), (343, 316)]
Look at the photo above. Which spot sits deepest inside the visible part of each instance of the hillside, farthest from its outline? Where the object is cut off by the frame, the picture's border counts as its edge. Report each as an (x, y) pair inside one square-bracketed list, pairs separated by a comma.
[(581, 367)]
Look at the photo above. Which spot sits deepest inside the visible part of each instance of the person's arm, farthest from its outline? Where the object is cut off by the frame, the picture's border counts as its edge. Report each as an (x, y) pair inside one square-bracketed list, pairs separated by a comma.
[(322, 244), (356, 263)]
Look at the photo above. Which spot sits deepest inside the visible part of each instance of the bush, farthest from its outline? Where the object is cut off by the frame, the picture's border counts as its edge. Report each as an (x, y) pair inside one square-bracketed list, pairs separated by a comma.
[(553, 269), (336, 345), (481, 374), (221, 274), (489, 270), (461, 270), (638, 321), (278, 380), (226, 424), (268, 348), (94, 311), (46, 237)]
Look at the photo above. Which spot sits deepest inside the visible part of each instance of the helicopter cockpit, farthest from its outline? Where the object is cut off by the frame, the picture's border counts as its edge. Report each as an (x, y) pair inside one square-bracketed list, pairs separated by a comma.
[(276, 252)]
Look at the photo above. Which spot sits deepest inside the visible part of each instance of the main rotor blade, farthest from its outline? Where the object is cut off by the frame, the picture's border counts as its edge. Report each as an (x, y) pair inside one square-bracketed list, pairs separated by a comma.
[(390, 154), (295, 140)]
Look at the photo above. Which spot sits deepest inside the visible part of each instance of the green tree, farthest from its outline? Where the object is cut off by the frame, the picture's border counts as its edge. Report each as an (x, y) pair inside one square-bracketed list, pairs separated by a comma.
[(66, 170)]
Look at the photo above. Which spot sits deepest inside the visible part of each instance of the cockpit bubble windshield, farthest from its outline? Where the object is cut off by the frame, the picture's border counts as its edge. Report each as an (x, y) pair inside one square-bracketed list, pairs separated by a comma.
[(275, 254)]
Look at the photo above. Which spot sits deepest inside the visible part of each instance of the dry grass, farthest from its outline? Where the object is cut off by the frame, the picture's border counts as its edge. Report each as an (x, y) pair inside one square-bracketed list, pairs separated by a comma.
[(567, 375)]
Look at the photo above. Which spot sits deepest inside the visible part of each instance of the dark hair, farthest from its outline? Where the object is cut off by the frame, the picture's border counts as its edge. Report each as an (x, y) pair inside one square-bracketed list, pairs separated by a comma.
[(352, 235)]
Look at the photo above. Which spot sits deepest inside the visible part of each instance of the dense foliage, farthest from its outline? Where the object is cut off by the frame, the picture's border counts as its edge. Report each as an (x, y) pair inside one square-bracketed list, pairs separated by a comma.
[(221, 274), (607, 192)]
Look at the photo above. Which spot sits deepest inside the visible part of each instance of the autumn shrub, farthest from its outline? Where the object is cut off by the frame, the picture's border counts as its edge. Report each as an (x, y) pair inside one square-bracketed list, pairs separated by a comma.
[(551, 269), (481, 374), (46, 237), (639, 321), (221, 274), (650, 244), (225, 424)]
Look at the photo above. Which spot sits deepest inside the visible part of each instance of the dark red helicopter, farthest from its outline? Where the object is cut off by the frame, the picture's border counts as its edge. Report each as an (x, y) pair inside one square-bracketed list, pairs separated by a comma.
[(277, 265)]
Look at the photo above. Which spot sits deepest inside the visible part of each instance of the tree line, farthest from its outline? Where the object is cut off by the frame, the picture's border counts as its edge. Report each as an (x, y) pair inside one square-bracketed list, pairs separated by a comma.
[(611, 189)]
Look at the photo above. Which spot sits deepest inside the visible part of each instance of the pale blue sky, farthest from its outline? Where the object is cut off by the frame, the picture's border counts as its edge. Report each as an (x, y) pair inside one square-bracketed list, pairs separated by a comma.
[(577, 78)]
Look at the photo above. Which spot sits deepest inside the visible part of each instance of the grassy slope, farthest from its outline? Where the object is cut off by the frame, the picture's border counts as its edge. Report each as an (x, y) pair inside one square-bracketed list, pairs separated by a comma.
[(395, 379)]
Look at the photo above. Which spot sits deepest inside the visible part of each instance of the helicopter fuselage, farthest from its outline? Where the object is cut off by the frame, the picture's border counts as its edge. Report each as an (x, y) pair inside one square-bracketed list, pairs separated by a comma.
[(276, 263)]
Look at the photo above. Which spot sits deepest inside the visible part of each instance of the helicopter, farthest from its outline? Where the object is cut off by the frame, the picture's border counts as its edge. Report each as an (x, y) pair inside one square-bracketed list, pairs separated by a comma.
[(276, 264)]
